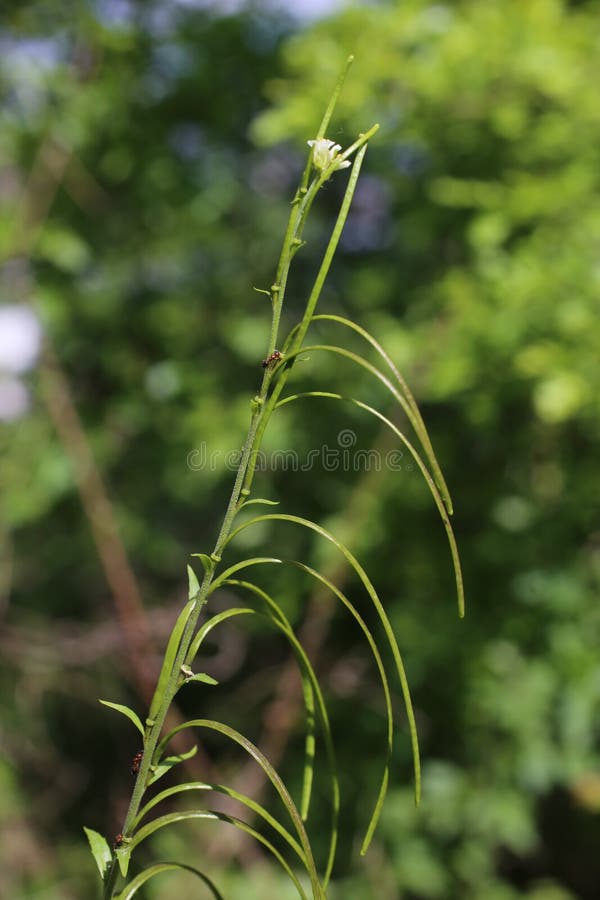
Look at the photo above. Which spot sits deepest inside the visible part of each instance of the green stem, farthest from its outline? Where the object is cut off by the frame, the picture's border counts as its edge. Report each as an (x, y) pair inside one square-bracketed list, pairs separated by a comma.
[(334, 98), (293, 240), (331, 248), (301, 329), (263, 405), (154, 728)]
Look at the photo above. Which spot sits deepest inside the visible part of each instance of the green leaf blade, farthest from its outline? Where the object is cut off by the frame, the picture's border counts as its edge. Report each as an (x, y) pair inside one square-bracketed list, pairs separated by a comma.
[(383, 618), (167, 764), (170, 655), (413, 412), (211, 815), (100, 850), (308, 675), (438, 500), (126, 711), (208, 626), (193, 584), (252, 805), (157, 869), (273, 777), (203, 678), (226, 579), (208, 564), (123, 855)]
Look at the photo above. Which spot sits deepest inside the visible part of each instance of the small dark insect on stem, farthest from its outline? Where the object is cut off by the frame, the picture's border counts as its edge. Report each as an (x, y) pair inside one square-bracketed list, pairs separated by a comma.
[(136, 762), (275, 357)]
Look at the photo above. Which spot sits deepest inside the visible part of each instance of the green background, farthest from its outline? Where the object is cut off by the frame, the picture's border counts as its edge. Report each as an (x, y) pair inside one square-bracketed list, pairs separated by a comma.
[(148, 153)]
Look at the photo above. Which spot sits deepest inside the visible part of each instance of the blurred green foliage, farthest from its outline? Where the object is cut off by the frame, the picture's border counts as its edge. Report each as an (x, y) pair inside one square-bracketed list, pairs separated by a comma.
[(472, 252)]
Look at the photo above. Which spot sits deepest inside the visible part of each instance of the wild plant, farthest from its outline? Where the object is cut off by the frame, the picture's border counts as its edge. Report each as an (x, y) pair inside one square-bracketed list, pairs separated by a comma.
[(326, 160)]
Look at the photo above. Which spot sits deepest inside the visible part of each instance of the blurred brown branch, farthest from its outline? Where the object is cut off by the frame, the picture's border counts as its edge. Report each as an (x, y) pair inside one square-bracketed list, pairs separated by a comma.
[(103, 524)]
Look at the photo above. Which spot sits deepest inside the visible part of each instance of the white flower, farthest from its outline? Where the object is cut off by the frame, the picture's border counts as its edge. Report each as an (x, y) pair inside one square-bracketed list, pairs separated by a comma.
[(325, 153)]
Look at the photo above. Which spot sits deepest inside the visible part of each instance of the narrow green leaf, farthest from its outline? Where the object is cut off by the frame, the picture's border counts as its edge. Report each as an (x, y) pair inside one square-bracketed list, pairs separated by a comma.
[(123, 855), (334, 98), (386, 692), (208, 626), (250, 804), (260, 500), (277, 616), (407, 402), (413, 412), (279, 619), (193, 584), (359, 360), (169, 660), (166, 764), (363, 138), (216, 620), (203, 677), (157, 869), (100, 850), (313, 297), (207, 563), (172, 818), (126, 711), (308, 675), (385, 622), (225, 578), (458, 577), (273, 777), (326, 119)]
